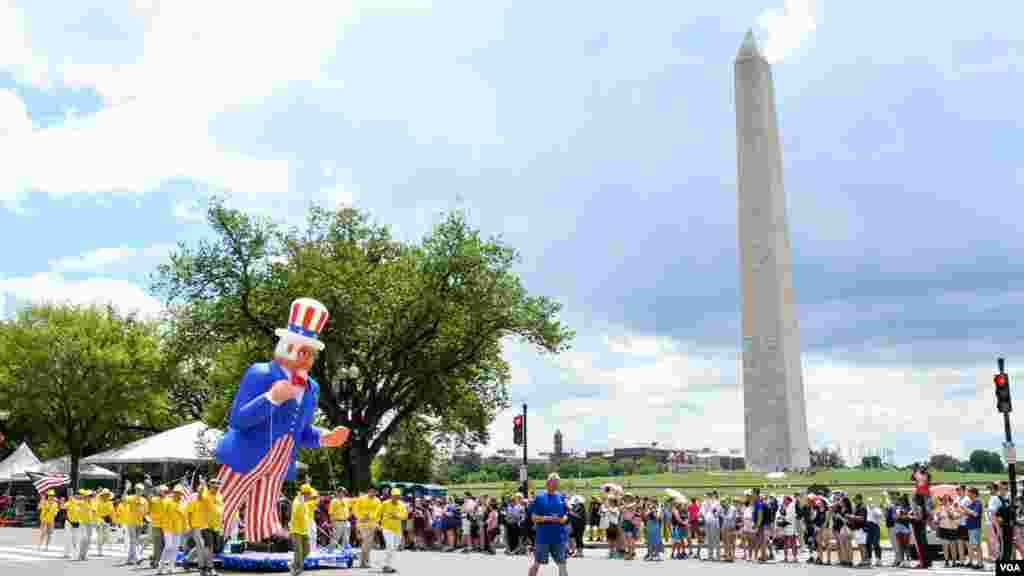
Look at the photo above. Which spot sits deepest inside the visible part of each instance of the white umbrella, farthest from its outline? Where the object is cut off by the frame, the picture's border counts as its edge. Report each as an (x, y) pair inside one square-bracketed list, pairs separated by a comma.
[(675, 494), (609, 487)]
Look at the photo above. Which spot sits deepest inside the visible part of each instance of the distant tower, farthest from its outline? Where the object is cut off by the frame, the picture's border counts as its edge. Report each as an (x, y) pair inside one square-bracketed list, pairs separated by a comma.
[(558, 444), (775, 417)]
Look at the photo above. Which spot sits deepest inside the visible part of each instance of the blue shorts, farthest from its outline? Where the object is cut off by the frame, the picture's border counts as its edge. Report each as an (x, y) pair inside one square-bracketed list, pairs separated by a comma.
[(974, 537), (542, 552)]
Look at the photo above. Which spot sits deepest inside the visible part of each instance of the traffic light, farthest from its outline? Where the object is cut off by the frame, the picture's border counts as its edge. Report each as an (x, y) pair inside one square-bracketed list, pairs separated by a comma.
[(517, 430), (1002, 381)]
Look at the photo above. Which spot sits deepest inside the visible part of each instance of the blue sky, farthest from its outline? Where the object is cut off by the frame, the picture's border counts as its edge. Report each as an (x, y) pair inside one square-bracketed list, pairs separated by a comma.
[(599, 139)]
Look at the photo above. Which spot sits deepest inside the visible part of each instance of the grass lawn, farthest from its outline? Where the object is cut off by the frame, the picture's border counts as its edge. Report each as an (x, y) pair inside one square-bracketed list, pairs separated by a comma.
[(870, 483)]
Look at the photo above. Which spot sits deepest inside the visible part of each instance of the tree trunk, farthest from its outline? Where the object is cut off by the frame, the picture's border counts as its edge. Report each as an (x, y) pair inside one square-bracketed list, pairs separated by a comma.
[(360, 464), (74, 457)]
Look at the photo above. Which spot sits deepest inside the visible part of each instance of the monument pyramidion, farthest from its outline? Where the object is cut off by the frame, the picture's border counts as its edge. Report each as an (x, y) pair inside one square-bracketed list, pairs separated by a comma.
[(774, 409)]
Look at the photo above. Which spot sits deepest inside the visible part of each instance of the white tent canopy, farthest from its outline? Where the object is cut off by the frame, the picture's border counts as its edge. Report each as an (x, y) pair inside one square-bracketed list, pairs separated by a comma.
[(20, 460), (63, 466), (189, 444)]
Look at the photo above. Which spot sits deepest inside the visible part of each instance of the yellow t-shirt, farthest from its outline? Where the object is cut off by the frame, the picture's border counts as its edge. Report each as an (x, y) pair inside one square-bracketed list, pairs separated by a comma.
[(104, 508), (302, 515), (156, 511), (339, 510), (134, 511), (174, 517), (48, 510), (87, 512), (197, 517), (71, 506), (391, 514), (122, 513), (213, 507), (367, 511)]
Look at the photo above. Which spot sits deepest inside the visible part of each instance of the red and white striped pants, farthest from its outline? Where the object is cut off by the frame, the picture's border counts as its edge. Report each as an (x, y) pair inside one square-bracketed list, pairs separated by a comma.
[(262, 485)]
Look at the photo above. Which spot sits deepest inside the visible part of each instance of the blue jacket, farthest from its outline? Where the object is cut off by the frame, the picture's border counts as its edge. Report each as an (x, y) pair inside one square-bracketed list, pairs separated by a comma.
[(255, 424)]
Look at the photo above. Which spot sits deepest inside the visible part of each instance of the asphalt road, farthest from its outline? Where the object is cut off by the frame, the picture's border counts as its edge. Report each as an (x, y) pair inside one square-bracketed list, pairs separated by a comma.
[(18, 555)]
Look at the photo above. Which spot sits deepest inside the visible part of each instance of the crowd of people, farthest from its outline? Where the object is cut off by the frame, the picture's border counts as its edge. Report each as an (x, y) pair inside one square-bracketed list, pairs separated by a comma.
[(754, 527), (835, 529)]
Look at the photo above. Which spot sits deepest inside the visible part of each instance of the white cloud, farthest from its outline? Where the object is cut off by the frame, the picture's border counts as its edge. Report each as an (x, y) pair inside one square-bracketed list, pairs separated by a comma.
[(53, 288), (683, 396), (788, 30), (107, 260), (166, 70), (186, 212)]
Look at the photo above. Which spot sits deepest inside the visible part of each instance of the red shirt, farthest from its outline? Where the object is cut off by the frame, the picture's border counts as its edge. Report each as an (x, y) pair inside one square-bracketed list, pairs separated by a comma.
[(922, 481), (693, 510)]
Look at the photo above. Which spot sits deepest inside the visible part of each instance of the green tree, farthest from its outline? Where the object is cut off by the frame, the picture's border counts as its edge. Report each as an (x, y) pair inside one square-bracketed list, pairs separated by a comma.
[(89, 375), (424, 323), (984, 461), (944, 463), (409, 455), (871, 462)]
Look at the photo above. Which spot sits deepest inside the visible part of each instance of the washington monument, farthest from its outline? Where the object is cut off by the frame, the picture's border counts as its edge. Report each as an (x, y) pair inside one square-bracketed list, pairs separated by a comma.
[(774, 411)]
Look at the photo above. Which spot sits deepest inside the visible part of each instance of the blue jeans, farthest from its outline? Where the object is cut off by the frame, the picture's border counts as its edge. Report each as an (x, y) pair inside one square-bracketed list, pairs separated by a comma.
[(543, 551), (873, 543)]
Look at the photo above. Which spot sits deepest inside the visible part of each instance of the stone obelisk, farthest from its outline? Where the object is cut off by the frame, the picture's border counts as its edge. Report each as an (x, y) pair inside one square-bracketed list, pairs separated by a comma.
[(774, 410)]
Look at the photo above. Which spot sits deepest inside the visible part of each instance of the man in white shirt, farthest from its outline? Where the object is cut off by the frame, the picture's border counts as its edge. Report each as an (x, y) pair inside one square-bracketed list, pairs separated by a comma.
[(712, 527), (468, 510), (961, 495)]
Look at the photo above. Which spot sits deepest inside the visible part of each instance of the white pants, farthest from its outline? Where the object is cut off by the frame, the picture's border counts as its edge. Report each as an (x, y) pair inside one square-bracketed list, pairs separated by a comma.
[(342, 534), (170, 553), (134, 550), (391, 542), (85, 540), (71, 541), (102, 536)]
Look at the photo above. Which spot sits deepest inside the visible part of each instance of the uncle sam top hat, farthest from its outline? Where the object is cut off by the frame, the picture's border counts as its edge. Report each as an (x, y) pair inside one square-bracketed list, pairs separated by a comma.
[(308, 317)]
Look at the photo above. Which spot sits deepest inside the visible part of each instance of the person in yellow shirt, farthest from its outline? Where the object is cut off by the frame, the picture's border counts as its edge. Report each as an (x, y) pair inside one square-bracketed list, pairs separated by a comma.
[(302, 519), (157, 504), (156, 523), (87, 517), (204, 514), (367, 510), (174, 523), (392, 513), (48, 509), (104, 507), (340, 517), (125, 516), (311, 508), (73, 527), (213, 506)]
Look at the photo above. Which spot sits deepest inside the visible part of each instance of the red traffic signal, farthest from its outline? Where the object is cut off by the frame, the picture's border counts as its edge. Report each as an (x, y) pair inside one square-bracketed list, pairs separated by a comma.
[(1000, 379), (517, 421)]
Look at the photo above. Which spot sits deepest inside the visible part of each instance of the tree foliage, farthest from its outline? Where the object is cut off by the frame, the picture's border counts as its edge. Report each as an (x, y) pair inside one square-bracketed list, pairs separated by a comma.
[(90, 376), (984, 461), (945, 463), (424, 323), (826, 458), (409, 455)]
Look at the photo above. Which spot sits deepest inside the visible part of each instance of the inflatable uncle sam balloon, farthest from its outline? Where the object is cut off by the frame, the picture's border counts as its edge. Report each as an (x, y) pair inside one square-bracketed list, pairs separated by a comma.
[(270, 420)]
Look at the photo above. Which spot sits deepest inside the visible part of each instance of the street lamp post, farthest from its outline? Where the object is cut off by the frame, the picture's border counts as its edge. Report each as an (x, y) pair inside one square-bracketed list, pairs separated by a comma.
[(349, 373)]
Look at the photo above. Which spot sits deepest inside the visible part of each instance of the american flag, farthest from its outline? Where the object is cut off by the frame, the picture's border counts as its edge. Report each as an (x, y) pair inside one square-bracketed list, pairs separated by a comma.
[(44, 482), (189, 494)]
